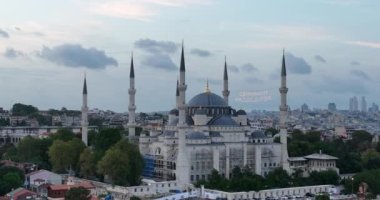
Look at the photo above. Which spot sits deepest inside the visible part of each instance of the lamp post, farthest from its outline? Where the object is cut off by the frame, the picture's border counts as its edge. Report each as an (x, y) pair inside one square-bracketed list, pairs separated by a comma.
[(352, 185)]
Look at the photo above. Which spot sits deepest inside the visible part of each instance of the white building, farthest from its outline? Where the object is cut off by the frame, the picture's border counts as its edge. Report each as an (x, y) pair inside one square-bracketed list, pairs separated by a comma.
[(206, 133)]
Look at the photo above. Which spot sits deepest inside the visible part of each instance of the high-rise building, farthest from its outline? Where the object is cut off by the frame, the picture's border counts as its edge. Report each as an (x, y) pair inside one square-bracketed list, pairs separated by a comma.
[(305, 108), (363, 104), (353, 104), (374, 108), (331, 107)]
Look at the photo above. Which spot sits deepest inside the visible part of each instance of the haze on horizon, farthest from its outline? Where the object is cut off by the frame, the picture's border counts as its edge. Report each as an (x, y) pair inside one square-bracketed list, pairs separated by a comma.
[(331, 46)]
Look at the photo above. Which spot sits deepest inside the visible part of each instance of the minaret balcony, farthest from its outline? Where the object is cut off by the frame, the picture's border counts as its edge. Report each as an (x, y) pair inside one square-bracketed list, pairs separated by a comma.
[(132, 91), (283, 90), (182, 87)]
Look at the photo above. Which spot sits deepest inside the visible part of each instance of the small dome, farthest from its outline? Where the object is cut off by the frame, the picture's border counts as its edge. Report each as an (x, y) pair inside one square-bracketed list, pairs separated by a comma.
[(222, 120), (174, 112), (241, 112), (189, 121), (207, 99), (258, 135)]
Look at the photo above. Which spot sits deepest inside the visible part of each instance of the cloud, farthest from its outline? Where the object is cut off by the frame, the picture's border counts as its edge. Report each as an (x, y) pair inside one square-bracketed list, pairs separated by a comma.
[(365, 44), (154, 46), (210, 81), (200, 52), (233, 68), (4, 34), (12, 53), (74, 55), (124, 10), (181, 3), (355, 63), (248, 67), (360, 74), (159, 61), (254, 80), (297, 65), (320, 59), (339, 86)]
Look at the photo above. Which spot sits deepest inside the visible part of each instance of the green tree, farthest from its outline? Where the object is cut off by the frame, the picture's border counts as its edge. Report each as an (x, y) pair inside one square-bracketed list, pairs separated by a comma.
[(123, 163), (277, 178), (87, 163), (322, 197), (63, 134), (78, 193), (64, 155), (324, 178), (106, 138), (19, 109), (371, 177), (10, 178)]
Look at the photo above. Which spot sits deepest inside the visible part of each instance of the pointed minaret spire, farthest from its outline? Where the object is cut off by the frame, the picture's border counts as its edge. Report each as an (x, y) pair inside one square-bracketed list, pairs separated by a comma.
[(207, 87), (283, 68), (283, 117), (84, 84), (84, 121), (182, 67), (183, 165), (225, 91), (132, 70), (177, 95), (132, 106), (225, 75)]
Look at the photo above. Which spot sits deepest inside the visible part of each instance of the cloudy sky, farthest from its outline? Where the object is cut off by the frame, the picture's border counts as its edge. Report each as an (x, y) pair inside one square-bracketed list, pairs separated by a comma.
[(332, 49)]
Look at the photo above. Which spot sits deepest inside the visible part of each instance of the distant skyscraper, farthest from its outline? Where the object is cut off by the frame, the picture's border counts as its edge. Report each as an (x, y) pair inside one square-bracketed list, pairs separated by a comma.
[(351, 104), (331, 107), (363, 104), (305, 108), (374, 108), (355, 104)]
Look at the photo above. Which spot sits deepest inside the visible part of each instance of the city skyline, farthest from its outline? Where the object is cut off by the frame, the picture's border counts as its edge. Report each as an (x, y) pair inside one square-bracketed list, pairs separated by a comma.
[(330, 46)]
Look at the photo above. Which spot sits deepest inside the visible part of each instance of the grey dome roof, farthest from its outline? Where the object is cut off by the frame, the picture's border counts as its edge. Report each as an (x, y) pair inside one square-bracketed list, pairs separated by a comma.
[(196, 136), (222, 120), (207, 99), (258, 135), (174, 122), (241, 112), (173, 112)]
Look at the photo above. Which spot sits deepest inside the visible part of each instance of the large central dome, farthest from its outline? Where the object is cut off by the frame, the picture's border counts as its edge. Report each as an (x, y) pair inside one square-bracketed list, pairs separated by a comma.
[(207, 99)]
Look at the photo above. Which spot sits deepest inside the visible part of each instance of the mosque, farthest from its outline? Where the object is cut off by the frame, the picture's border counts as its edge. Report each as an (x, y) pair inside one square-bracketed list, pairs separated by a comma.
[(206, 133)]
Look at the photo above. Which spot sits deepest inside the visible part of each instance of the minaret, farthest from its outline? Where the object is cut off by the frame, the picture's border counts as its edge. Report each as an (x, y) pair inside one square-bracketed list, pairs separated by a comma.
[(183, 166), (132, 106), (283, 117), (84, 121), (177, 95), (225, 91)]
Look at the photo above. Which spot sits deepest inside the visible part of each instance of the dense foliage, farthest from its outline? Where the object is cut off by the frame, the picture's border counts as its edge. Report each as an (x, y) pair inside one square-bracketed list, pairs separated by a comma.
[(354, 155), (244, 180), (10, 178), (64, 151), (78, 193)]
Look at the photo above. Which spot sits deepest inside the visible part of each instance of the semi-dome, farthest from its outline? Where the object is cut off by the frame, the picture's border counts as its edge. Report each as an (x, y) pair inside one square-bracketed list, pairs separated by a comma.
[(222, 120), (241, 112), (173, 112), (207, 99)]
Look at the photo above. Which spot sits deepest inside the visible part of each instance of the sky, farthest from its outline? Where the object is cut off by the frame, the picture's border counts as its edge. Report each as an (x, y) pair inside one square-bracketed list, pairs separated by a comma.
[(332, 50)]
